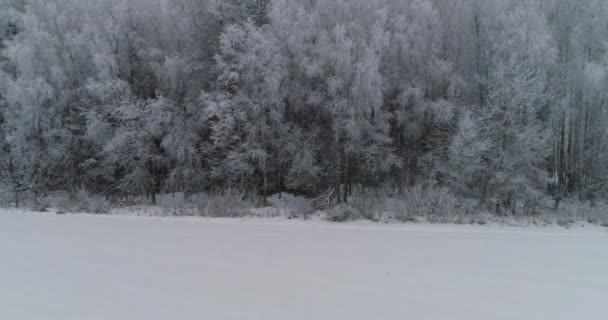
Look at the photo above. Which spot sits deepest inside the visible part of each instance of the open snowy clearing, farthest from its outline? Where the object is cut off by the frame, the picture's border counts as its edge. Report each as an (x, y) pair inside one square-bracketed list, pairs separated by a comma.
[(115, 267)]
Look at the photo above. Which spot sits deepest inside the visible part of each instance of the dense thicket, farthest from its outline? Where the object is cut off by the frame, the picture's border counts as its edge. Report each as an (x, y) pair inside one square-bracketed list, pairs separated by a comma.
[(504, 101)]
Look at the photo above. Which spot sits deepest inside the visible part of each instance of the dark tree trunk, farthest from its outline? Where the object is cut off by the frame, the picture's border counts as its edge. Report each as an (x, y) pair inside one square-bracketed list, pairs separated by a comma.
[(265, 189), (346, 174), (338, 174)]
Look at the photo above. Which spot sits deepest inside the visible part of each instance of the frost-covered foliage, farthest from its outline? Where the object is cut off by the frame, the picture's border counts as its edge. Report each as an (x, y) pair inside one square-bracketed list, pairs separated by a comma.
[(504, 102), (501, 147)]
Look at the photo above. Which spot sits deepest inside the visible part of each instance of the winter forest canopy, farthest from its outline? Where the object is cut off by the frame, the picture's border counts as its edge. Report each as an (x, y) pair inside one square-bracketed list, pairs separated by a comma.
[(498, 101)]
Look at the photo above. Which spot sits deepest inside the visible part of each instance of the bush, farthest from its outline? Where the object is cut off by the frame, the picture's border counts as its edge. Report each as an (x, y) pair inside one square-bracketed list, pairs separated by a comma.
[(82, 201), (343, 212), (229, 203), (368, 205), (437, 205), (176, 204), (570, 212), (431, 204), (291, 206), (594, 214)]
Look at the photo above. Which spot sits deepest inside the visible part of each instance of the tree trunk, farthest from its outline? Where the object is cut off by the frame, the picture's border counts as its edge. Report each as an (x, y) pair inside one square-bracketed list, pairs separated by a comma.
[(265, 189), (280, 182), (337, 182), (346, 173)]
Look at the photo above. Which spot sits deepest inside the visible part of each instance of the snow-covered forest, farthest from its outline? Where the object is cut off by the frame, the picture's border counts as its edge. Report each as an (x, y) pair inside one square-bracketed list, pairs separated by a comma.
[(503, 103)]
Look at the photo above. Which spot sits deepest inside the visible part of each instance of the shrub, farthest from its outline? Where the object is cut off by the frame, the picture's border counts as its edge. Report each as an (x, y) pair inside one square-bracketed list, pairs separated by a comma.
[(368, 205), (291, 206), (438, 205), (176, 204), (343, 212), (82, 201), (228, 203)]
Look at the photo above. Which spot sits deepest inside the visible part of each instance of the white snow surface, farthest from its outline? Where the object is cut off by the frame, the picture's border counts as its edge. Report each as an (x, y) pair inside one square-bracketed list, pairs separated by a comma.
[(84, 267)]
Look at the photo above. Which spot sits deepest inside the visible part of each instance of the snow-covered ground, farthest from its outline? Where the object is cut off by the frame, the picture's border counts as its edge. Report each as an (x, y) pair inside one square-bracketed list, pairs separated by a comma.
[(83, 267)]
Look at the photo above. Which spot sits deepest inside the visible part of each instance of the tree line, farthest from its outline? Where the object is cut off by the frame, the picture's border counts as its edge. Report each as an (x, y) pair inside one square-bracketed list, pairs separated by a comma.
[(503, 101)]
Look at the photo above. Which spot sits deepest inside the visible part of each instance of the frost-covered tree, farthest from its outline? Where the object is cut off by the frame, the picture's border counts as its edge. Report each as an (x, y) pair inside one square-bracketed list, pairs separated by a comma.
[(336, 82), (580, 31), (38, 90), (245, 114), (501, 149)]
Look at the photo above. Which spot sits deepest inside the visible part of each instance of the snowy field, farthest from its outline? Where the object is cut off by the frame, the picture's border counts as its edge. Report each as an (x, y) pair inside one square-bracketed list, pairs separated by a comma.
[(114, 267)]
